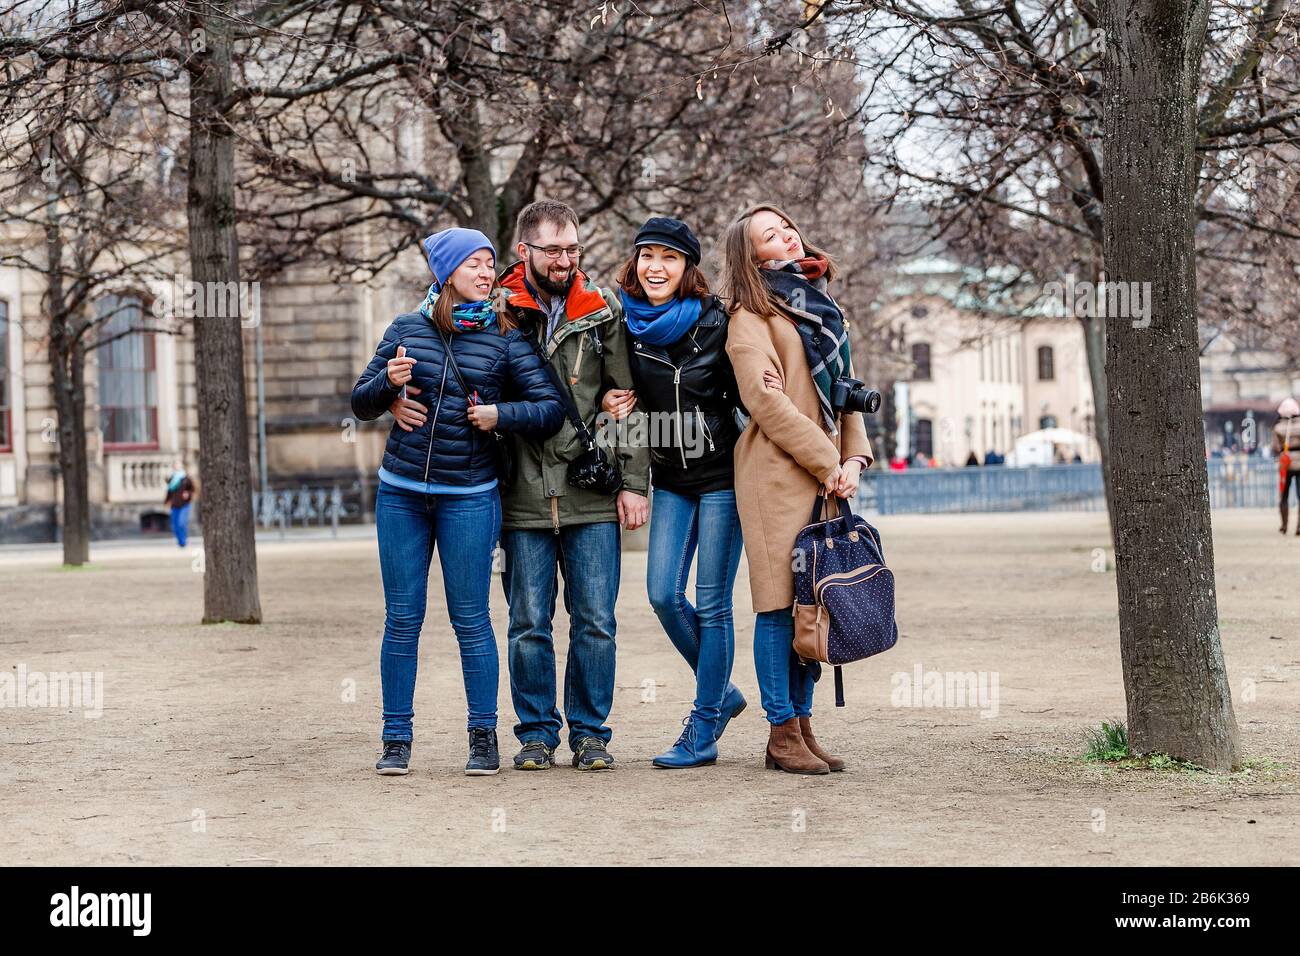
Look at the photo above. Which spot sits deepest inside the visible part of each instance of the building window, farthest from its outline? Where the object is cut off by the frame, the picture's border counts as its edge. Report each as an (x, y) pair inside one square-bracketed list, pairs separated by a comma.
[(1046, 364), (921, 362), (6, 421), (925, 437), (128, 375), (1047, 421)]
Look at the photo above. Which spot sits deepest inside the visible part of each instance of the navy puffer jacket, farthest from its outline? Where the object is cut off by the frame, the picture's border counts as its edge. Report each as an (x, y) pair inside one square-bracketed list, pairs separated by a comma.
[(505, 371)]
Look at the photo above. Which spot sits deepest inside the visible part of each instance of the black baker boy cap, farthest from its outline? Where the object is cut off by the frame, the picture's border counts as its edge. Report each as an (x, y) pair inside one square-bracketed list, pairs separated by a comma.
[(673, 233)]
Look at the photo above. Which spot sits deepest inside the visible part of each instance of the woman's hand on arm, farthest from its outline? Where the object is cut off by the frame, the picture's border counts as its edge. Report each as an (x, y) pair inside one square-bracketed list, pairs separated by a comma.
[(619, 402), (409, 414)]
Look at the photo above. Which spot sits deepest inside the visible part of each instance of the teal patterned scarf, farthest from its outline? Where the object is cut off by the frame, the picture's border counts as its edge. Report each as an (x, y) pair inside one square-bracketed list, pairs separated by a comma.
[(466, 317)]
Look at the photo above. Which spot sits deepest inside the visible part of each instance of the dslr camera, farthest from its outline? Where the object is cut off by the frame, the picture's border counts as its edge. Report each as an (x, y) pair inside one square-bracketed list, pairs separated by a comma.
[(850, 395)]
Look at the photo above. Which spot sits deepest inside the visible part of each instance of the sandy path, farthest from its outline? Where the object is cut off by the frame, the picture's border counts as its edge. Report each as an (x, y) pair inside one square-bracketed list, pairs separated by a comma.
[(224, 745)]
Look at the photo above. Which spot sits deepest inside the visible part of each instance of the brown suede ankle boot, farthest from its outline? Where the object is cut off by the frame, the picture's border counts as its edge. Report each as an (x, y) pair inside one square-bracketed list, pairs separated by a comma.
[(832, 761), (787, 751)]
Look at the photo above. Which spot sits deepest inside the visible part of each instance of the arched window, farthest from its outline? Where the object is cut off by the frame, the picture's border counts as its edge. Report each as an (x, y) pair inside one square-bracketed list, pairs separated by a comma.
[(920, 361), (1046, 364), (925, 437), (128, 375), (6, 424)]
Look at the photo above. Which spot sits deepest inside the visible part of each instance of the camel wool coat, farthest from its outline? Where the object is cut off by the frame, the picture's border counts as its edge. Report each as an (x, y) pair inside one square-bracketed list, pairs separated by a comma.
[(784, 454)]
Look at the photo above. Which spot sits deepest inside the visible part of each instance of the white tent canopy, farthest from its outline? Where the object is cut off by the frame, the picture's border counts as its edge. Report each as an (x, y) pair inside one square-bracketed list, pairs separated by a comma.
[(1057, 436), (1042, 447)]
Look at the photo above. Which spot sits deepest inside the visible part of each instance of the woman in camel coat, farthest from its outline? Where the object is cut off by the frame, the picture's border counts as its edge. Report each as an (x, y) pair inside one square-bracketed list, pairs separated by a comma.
[(794, 445)]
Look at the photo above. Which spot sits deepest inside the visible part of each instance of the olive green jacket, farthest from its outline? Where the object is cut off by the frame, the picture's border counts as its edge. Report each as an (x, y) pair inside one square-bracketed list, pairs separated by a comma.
[(589, 352)]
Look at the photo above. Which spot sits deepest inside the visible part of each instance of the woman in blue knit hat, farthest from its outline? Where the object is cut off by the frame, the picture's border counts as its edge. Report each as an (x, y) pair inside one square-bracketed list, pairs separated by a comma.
[(464, 373), (683, 380)]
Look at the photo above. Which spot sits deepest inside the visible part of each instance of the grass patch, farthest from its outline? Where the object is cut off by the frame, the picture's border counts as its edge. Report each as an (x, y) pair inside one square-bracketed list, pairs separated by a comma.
[(80, 567), (1108, 743)]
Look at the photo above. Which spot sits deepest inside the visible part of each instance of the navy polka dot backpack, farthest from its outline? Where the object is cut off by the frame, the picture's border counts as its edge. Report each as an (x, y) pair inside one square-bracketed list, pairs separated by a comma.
[(843, 593)]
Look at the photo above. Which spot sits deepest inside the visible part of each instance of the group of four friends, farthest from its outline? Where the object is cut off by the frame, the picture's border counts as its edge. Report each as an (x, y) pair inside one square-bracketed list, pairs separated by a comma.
[(750, 375)]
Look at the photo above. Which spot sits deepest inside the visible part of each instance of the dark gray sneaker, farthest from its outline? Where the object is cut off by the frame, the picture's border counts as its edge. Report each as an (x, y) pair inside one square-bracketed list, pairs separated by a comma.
[(396, 758), (535, 755), (483, 757), (591, 754)]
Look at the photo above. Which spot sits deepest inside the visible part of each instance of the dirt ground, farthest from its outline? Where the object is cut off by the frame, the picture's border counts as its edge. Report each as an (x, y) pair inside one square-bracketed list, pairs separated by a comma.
[(244, 745)]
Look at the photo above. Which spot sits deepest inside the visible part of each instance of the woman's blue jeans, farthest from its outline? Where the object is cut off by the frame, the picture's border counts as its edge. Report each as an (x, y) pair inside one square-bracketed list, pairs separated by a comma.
[(784, 685), (704, 634), (410, 524), (181, 524)]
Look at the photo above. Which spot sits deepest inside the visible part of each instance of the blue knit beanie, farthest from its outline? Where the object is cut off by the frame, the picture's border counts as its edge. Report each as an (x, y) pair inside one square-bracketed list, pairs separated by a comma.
[(446, 250)]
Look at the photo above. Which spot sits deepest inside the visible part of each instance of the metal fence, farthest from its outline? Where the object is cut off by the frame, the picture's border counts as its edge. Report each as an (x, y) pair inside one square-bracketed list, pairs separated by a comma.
[(1237, 482), (302, 506)]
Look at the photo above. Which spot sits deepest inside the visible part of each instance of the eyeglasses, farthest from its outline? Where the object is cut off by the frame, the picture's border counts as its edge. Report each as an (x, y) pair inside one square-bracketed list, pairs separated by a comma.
[(554, 252)]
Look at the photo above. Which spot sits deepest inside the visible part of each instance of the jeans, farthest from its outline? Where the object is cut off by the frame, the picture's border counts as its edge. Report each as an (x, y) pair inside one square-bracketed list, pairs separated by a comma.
[(410, 524), (589, 557), (785, 686), (705, 635), (181, 524)]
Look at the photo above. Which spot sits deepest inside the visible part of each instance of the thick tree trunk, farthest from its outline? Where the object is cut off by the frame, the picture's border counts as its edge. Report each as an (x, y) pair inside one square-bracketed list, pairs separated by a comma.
[(1179, 701), (230, 560)]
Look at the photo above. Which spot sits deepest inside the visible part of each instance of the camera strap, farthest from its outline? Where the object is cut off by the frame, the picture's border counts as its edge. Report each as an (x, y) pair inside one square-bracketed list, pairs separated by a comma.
[(566, 397)]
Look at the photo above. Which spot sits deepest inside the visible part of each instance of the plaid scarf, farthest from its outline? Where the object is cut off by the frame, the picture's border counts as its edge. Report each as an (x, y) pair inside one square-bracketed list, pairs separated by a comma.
[(800, 285), (466, 317)]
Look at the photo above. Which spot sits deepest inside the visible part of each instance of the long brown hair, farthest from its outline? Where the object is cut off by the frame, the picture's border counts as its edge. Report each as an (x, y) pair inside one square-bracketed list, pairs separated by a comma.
[(448, 298), (742, 283)]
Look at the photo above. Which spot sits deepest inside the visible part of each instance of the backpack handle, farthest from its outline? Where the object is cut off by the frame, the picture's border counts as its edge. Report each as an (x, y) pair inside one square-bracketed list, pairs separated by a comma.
[(821, 505)]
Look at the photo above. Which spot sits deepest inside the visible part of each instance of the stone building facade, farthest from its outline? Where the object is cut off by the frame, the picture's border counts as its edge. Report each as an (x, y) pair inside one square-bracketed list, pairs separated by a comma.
[(316, 335)]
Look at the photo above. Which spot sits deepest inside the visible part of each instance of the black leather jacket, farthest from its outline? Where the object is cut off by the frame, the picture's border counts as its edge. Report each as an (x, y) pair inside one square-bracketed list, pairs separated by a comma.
[(689, 390)]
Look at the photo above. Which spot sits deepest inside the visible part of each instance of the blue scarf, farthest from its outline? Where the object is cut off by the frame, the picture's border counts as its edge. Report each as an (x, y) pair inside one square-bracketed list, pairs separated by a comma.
[(466, 317), (660, 324), (175, 480)]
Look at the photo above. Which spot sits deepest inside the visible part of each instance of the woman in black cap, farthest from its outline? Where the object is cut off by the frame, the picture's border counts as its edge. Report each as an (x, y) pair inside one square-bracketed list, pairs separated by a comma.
[(683, 381)]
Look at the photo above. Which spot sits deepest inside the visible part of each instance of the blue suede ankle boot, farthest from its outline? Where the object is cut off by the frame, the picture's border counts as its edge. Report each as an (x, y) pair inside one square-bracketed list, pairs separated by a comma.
[(696, 747)]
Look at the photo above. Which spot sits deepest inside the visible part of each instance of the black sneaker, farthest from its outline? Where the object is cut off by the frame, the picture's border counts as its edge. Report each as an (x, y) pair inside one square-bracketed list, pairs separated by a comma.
[(591, 754), (396, 758), (483, 757), (535, 755)]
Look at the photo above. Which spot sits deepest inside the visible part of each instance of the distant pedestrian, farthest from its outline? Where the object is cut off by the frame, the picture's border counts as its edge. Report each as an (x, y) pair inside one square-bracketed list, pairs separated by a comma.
[(1286, 445), (179, 497)]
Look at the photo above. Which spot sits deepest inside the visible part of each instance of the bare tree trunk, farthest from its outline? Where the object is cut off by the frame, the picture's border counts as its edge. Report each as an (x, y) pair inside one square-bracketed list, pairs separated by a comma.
[(1179, 702), (67, 381), (230, 560)]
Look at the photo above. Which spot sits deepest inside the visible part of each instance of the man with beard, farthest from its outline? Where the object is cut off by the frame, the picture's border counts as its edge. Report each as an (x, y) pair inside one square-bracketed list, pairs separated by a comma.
[(548, 524)]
